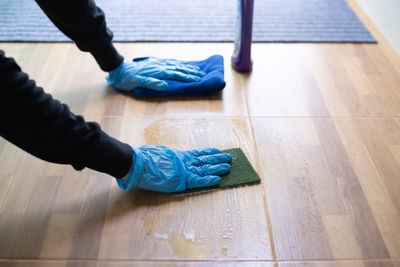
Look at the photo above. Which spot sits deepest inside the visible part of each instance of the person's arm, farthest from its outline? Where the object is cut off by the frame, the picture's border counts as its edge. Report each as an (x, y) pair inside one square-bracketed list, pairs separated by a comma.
[(44, 127), (84, 23)]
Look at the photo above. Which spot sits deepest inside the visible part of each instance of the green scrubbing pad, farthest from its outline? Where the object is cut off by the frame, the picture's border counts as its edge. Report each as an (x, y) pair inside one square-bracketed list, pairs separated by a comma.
[(241, 173)]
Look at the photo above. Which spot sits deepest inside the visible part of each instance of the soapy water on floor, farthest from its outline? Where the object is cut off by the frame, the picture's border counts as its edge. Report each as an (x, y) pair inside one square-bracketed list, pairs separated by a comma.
[(211, 224)]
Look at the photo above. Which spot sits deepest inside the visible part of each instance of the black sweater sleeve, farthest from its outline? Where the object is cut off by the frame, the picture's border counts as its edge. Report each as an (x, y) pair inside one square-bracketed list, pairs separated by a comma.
[(44, 127), (84, 23)]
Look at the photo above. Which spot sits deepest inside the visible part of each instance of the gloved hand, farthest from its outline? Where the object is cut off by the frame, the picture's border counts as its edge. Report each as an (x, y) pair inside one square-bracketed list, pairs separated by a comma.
[(163, 169), (150, 71)]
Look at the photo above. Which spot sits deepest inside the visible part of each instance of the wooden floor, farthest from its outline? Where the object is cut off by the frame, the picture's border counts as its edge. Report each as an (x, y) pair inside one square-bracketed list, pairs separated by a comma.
[(319, 122)]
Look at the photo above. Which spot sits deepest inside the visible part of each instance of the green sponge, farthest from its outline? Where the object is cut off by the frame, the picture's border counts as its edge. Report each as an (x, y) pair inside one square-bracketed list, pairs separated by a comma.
[(241, 173)]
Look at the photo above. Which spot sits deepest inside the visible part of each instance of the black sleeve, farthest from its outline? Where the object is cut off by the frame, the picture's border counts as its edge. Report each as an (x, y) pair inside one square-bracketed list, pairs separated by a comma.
[(44, 127), (84, 23)]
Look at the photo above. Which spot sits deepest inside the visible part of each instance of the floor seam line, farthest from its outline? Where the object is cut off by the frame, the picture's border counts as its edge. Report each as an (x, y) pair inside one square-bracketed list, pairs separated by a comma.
[(238, 117), (203, 260), (266, 205)]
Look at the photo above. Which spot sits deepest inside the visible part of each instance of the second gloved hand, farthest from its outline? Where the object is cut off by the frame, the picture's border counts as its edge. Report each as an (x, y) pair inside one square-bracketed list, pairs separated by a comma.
[(163, 169), (149, 72)]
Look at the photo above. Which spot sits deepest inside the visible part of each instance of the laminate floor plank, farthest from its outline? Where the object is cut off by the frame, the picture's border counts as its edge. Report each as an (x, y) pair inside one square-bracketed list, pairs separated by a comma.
[(327, 197), (84, 215), (330, 80)]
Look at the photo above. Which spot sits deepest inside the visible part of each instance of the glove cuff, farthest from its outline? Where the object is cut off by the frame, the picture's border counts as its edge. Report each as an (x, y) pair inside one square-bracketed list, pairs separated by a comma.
[(113, 75), (132, 180)]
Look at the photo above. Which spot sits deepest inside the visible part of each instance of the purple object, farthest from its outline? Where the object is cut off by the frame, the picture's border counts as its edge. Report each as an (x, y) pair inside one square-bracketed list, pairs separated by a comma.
[(241, 58)]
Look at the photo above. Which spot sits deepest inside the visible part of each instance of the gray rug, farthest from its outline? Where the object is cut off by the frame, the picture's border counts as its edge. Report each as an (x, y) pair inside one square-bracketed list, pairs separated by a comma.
[(196, 21)]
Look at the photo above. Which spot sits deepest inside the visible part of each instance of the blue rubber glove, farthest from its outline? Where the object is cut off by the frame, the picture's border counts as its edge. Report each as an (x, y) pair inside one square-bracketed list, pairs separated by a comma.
[(163, 169), (150, 72)]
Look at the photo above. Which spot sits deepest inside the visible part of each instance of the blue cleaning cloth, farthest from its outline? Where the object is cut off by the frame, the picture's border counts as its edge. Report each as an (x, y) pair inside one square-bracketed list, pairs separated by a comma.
[(210, 84)]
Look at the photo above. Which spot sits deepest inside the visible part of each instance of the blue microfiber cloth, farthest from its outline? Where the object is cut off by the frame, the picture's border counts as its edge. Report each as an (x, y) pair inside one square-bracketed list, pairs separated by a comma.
[(210, 84)]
